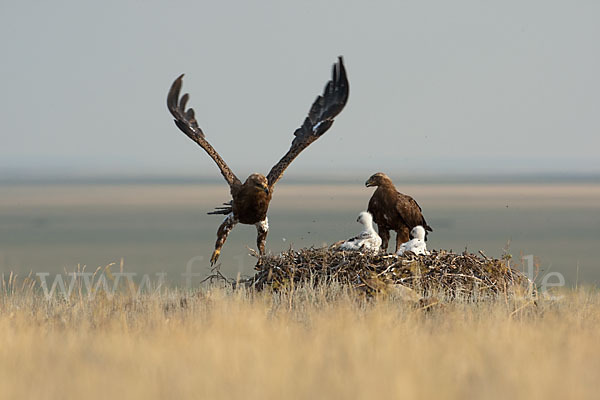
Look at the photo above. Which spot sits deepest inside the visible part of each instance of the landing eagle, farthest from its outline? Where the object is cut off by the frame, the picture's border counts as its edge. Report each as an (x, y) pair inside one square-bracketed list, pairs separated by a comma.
[(250, 200), (393, 210)]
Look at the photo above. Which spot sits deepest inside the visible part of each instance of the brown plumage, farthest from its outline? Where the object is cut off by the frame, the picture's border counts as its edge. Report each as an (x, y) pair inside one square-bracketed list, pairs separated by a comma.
[(393, 210), (250, 200)]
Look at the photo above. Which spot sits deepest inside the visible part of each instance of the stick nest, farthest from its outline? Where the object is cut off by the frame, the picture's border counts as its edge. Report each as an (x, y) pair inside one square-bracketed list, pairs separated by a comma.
[(441, 271)]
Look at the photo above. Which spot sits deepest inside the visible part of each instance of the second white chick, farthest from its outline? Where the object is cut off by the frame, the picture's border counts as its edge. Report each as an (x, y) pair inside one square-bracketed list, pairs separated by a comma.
[(417, 244)]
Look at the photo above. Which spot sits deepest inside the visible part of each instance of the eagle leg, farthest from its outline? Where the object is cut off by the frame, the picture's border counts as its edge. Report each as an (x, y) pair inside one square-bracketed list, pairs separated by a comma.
[(384, 234), (262, 229), (402, 236), (222, 233)]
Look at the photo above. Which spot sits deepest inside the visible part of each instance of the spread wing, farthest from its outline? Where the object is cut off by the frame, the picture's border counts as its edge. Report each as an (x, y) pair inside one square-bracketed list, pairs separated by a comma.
[(319, 119), (186, 121)]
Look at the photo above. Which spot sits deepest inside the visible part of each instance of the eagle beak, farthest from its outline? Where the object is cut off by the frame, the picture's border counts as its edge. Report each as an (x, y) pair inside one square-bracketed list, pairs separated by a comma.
[(368, 183), (266, 189)]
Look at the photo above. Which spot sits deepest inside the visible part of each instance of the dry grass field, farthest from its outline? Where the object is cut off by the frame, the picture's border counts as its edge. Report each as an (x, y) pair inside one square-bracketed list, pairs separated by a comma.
[(324, 342)]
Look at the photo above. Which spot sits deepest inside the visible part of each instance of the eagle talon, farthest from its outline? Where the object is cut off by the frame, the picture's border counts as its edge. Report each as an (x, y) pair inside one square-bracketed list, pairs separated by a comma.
[(214, 257)]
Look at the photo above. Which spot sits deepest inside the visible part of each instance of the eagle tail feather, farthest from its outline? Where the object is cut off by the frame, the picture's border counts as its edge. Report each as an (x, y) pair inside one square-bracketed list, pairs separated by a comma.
[(226, 209)]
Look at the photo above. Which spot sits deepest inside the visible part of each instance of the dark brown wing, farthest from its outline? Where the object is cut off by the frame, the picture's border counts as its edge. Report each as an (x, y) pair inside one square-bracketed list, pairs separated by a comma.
[(186, 121), (319, 119), (411, 212), (375, 207)]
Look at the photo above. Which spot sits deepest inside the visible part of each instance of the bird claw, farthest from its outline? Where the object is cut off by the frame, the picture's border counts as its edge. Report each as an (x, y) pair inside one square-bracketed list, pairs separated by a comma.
[(214, 257)]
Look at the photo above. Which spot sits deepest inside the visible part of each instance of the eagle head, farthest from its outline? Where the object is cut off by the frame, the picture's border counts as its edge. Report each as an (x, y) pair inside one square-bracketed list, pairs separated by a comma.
[(258, 181), (378, 179)]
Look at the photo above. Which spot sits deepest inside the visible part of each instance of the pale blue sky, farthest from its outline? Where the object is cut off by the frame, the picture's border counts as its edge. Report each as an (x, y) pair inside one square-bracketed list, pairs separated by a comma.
[(436, 86)]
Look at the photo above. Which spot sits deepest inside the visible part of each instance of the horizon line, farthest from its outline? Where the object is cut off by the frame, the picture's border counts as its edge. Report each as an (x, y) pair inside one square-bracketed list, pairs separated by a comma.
[(420, 178)]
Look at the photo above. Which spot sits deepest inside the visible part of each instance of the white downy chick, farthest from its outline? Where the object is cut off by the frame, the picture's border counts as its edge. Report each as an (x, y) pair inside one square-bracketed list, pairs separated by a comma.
[(417, 244), (368, 239)]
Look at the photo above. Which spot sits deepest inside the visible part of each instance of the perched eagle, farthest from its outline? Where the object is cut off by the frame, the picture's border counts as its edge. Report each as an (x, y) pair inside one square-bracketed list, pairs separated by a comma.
[(415, 245), (368, 239), (250, 200), (393, 210)]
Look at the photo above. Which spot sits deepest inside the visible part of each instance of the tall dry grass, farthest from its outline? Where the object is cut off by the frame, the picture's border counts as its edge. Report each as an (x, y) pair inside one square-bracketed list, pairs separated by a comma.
[(324, 342)]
